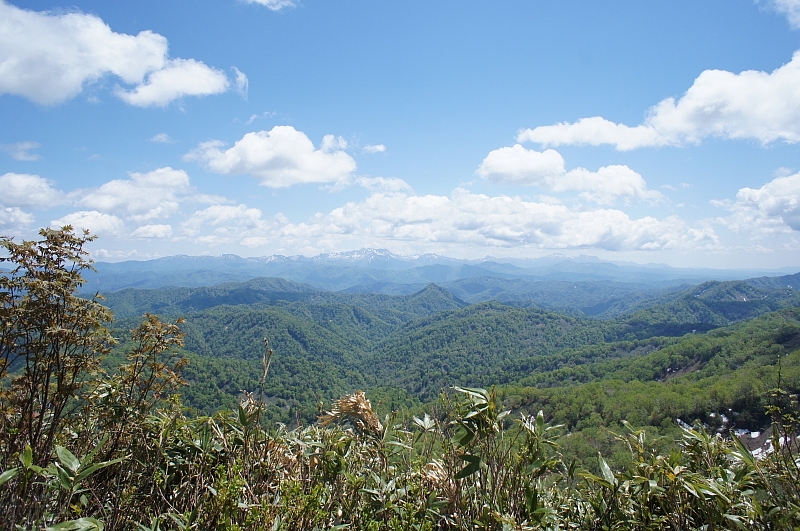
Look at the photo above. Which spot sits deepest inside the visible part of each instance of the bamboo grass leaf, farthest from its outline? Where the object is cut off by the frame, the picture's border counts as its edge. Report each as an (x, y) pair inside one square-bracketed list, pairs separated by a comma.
[(81, 524), (8, 475), (473, 466), (68, 459)]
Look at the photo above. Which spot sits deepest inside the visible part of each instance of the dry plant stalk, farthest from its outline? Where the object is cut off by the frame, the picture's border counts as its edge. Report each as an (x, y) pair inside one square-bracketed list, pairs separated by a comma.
[(358, 410)]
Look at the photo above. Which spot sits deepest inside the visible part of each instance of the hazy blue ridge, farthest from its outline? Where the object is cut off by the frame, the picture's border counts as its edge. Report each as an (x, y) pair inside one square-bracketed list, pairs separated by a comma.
[(379, 270)]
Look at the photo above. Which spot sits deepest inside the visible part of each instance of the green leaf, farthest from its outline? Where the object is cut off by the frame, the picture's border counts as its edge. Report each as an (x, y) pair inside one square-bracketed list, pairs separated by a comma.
[(473, 466), (178, 519), (467, 438), (596, 479), (8, 474), (426, 423), (63, 477), (743, 453), (81, 524), (434, 504), (608, 475), (474, 392), (68, 459), (737, 520), (90, 456), (540, 422), (26, 457), (155, 525), (399, 444), (531, 498), (97, 466)]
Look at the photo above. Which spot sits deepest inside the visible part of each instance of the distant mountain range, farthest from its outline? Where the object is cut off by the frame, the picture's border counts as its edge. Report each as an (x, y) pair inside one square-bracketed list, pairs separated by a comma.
[(381, 271), (703, 306)]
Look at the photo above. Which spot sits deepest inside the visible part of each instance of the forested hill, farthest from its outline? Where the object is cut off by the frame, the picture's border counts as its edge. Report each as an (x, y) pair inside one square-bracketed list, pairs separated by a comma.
[(407, 348), (774, 283), (660, 310), (591, 298), (276, 292), (490, 343), (710, 305), (595, 298)]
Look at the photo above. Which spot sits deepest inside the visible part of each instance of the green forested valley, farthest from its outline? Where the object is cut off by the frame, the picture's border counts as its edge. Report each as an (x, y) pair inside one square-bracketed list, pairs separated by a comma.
[(406, 349)]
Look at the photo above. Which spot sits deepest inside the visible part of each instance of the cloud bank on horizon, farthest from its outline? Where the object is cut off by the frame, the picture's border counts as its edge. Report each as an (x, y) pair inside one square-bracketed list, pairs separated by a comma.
[(203, 178)]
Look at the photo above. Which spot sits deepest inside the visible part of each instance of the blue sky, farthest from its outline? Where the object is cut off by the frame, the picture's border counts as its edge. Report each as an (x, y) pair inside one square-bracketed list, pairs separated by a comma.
[(627, 130)]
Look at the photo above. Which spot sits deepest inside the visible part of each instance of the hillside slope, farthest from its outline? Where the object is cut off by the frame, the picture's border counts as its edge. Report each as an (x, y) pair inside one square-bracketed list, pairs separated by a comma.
[(412, 346)]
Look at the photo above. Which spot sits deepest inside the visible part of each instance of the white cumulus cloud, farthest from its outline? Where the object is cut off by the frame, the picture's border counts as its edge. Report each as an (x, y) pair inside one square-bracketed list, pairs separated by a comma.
[(162, 138), (775, 207), (790, 9), (274, 5), (749, 105), (25, 190), (50, 57), (127, 254), (242, 83), (143, 197), (21, 150), (227, 223), (93, 221), (178, 78), (517, 165), (376, 148), (279, 158), (152, 231), (385, 184), (13, 218)]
